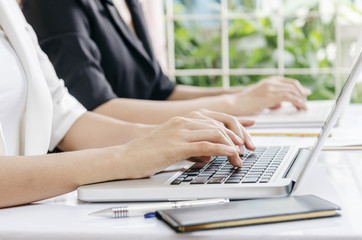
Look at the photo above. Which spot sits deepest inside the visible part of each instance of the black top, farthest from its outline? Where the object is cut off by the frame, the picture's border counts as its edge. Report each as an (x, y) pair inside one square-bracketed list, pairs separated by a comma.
[(95, 52)]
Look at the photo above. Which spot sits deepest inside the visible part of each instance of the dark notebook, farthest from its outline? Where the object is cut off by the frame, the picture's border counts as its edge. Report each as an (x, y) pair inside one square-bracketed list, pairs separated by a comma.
[(248, 212)]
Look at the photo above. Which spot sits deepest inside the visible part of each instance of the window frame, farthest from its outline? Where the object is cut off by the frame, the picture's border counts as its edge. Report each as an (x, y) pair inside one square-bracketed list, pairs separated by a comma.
[(338, 71)]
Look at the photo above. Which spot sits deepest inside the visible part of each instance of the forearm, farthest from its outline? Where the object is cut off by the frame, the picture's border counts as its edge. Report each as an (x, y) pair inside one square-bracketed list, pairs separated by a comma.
[(93, 130), (183, 92), (156, 112), (33, 178)]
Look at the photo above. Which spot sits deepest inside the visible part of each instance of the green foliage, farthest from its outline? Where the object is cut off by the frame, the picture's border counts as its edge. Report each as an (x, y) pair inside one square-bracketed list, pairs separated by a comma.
[(197, 46), (252, 43), (308, 42), (204, 81)]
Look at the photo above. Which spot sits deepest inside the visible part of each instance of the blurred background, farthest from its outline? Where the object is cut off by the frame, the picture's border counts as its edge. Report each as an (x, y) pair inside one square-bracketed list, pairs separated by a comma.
[(238, 42)]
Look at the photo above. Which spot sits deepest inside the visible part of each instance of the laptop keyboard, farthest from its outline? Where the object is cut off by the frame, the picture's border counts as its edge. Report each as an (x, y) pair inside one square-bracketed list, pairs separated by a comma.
[(258, 167)]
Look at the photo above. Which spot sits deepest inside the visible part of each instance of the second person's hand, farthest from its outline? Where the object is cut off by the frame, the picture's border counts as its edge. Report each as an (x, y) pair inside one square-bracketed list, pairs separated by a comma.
[(269, 93)]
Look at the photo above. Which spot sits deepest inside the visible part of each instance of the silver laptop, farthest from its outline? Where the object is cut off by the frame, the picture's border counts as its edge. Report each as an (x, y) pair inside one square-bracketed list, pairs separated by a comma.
[(269, 171), (288, 116)]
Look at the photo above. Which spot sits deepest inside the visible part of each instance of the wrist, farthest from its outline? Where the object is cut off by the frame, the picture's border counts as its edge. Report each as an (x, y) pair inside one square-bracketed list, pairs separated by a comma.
[(139, 160), (98, 165), (119, 164), (238, 104), (141, 130), (228, 103)]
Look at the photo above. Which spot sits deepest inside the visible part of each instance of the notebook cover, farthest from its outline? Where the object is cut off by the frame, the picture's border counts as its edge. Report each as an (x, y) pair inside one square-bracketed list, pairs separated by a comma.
[(247, 212)]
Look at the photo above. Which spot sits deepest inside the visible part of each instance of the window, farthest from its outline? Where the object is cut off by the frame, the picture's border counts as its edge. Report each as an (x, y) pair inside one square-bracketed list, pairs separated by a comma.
[(238, 42)]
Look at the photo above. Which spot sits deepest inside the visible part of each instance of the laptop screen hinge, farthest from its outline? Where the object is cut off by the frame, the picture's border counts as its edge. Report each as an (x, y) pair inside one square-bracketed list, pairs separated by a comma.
[(297, 165)]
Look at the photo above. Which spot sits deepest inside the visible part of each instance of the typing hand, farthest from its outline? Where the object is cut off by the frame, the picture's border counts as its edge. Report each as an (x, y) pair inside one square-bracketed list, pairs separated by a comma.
[(270, 93), (198, 135)]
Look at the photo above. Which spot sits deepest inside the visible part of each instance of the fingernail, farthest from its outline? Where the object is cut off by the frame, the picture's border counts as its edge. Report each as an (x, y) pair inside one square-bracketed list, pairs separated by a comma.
[(249, 140), (241, 150)]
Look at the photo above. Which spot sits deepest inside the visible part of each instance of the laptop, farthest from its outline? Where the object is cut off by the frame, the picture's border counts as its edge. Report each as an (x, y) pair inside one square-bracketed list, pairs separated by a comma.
[(288, 116), (269, 171)]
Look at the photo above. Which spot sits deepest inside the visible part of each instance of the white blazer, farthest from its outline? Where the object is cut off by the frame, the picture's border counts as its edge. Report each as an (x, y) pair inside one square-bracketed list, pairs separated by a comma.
[(50, 110)]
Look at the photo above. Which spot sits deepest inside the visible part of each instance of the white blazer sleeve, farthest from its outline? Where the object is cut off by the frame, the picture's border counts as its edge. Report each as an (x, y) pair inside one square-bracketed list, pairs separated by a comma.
[(66, 109)]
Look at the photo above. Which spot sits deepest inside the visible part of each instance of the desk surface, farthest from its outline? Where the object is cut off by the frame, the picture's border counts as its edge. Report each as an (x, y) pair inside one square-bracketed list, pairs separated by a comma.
[(338, 175)]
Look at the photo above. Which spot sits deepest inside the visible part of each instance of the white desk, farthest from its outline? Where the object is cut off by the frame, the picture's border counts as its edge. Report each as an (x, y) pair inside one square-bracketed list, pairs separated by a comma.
[(338, 176)]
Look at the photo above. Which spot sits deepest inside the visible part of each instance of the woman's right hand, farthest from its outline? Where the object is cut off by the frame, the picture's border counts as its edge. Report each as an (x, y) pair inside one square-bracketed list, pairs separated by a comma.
[(269, 93), (197, 136)]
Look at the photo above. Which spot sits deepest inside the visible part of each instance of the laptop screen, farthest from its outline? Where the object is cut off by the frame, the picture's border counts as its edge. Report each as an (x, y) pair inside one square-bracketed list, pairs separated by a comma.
[(342, 100)]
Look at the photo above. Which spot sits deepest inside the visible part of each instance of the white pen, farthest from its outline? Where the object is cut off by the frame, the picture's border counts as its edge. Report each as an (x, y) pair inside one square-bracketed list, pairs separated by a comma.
[(143, 208)]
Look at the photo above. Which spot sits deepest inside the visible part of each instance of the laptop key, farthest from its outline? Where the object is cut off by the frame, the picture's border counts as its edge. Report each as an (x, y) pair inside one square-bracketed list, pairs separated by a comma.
[(189, 179), (199, 180), (207, 172), (257, 169), (237, 175), (252, 176), (176, 182), (221, 174), (234, 178), (275, 164), (250, 180), (192, 173), (232, 181), (216, 180)]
